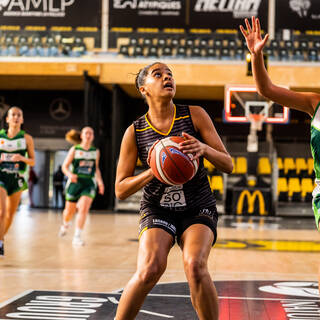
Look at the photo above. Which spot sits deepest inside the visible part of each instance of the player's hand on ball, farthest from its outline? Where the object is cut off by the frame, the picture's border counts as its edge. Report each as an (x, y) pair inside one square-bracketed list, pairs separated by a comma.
[(192, 145), (150, 152)]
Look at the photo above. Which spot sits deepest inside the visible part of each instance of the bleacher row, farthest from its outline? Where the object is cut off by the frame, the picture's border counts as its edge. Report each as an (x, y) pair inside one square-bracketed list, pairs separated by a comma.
[(215, 48), (295, 182), (36, 46)]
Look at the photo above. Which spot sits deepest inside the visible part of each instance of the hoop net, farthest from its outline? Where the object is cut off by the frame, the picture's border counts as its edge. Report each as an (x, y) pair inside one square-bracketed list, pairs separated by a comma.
[(256, 121)]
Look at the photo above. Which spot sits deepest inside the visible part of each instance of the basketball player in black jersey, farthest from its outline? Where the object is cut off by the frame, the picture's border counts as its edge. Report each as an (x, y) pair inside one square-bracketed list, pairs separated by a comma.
[(187, 212)]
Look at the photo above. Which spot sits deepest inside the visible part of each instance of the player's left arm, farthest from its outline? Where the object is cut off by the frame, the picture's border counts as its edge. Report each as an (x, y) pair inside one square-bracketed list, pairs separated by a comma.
[(98, 174), (212, 147), (30, 160)]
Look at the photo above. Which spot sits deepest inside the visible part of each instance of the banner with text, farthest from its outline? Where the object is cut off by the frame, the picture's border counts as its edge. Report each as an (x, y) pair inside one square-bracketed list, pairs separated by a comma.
[(147, 14), (187, 14), (75, 14), (298, 15), (223, 14)]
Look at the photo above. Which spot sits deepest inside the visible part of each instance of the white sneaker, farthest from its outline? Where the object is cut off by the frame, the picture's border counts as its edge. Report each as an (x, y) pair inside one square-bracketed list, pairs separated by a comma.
[(78, 242), (63, 231)]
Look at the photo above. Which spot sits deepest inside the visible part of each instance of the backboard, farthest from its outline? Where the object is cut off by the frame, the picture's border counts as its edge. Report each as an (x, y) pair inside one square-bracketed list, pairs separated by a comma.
[(242, 100)]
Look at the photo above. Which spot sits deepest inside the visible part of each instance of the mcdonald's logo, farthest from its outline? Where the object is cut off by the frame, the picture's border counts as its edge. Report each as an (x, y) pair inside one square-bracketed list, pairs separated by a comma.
[(251, 200)]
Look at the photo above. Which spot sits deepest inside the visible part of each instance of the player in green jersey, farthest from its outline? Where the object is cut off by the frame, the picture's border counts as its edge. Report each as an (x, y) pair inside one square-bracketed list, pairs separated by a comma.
[(83, 177), (16, 152), (304, 101)]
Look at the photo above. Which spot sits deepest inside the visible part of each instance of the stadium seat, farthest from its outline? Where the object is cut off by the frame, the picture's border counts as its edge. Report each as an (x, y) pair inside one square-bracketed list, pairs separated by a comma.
[(225, 54), (239, 54), (264, 166), (289, 167), (147, 42), (294, 189), (181, 52), (283, 54), (175, 42), (152, 51), (241, 165), (79, 48), (124, 50), (233, 165), (298, 55), (303, 45), (312, 55), (167, 51), (306, 189), (203, 43), (282, 189), (196, 52), (210, 53), (208, 165), (301, 167), (217, 44), (216, 185), (310, 163), (280, 167), (138, 51)]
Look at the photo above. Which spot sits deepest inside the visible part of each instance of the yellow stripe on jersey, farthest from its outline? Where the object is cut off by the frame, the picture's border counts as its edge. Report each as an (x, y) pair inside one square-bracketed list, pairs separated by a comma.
[(144, 129), (184, 117)]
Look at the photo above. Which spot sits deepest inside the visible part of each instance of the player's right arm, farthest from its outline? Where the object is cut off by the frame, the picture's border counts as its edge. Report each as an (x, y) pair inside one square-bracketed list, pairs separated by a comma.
[(65, 166), (303, 101), (126, 183)]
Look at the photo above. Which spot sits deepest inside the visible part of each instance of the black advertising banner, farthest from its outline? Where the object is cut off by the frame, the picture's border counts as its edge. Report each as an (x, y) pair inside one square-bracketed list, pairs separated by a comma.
[(298, 15), (49, 13), (147, 14), (226, 14)]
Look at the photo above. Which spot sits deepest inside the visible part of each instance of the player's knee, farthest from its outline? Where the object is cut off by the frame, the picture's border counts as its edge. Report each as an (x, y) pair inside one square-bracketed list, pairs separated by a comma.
[(195, 269), (151, 273)]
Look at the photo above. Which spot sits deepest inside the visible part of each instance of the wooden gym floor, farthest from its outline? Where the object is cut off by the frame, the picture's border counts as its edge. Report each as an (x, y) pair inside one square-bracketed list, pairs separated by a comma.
[(247, 249)]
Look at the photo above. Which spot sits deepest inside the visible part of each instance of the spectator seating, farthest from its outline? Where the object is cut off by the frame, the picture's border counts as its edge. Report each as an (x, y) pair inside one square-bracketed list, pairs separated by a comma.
[(36, 46)]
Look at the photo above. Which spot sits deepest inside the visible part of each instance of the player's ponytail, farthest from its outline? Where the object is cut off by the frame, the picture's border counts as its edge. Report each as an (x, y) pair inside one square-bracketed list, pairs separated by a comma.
[(73, 136)]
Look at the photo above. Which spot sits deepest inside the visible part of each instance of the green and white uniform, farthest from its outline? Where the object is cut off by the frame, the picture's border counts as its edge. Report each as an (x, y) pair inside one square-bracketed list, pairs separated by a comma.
[(84, 166), (315, 149), (12, 172)]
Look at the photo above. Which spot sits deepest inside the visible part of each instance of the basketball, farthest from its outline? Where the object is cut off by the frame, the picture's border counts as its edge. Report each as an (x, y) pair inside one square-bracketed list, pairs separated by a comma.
[(169, 164)]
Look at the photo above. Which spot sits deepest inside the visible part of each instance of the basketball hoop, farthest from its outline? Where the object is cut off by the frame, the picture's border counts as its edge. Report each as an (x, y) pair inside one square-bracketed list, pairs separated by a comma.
[(256, 121)]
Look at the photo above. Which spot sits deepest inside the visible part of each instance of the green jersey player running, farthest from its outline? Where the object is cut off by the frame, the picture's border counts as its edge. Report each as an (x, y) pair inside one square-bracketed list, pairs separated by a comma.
[(304, 101), (83, 177), (16, 152)]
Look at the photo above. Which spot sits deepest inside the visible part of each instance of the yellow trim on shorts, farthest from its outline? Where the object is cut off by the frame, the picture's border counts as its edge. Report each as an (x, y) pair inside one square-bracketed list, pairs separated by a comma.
[(142, 231)]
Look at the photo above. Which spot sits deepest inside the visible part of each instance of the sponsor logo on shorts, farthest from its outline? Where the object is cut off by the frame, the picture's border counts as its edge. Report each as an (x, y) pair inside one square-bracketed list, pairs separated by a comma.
[(163, 223), (206, 212)]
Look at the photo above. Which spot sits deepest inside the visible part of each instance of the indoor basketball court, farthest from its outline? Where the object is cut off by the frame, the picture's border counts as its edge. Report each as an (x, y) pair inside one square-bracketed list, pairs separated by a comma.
[(69, 64)]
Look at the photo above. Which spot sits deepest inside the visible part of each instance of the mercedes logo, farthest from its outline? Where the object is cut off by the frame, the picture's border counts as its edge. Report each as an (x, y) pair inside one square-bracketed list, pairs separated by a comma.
[(60, 109)]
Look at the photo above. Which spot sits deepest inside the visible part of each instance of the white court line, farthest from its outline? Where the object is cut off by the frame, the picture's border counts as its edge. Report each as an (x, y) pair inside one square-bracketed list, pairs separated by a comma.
[(3, 304), (155, 314)]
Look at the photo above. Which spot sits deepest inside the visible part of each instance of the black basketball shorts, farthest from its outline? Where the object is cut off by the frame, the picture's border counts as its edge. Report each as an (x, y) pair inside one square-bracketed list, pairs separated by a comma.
[(175, 223)]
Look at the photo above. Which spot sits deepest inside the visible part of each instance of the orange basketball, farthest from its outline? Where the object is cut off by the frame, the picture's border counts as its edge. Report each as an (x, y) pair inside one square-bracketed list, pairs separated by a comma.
[(169, 164)]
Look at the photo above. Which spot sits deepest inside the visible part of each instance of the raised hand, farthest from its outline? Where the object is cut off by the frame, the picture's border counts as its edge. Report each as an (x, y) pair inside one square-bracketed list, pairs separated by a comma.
[(255, 43)]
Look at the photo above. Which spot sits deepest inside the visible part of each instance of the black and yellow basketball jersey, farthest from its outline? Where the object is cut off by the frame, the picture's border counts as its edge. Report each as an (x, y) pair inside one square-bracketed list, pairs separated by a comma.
[(193, 194)]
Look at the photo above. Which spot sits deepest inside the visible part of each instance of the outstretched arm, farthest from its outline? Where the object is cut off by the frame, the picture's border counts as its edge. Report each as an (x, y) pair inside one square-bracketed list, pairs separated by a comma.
[(126, 183), (303, 101)]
